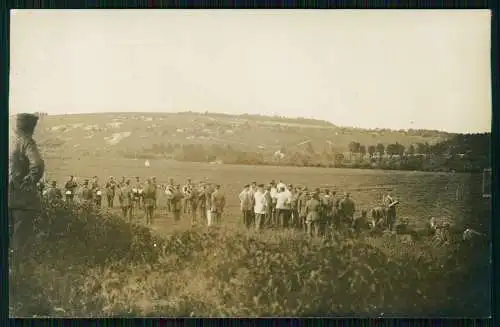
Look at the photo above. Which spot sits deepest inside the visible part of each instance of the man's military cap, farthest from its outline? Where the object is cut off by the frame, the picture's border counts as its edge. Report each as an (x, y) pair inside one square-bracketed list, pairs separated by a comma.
[(25, 119)]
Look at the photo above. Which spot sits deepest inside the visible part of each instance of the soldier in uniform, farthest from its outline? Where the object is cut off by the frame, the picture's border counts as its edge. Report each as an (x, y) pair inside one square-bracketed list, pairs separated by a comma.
[(186, 190), (269, 207), (137, 191), (111, 191), (390, 204), (327, 212), (26, 168), (96, 192), (247, 205), (218, 204), (122, 182), (301, 204), (176, 202), (54, 195), (70, 188), (347, 209), (149, 200), (40, 186), (313, 211), (202, 202), (125, 198), (155, 187), (87, 194), (169, 191), (192, 201)]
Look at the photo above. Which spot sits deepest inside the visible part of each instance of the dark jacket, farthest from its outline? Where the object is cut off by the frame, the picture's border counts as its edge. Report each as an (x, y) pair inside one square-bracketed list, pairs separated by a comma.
[(26, 168)]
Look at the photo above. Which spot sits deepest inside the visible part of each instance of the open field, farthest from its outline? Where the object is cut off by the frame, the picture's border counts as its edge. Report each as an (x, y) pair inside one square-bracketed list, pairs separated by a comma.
[(96, 264)]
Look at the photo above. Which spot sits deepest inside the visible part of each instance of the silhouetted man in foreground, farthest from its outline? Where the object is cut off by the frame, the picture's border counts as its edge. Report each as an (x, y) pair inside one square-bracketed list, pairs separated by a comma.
[(26, 168)]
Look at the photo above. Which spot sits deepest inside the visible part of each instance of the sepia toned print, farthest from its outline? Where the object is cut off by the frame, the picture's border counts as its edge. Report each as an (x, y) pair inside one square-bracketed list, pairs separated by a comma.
[(250, 163)]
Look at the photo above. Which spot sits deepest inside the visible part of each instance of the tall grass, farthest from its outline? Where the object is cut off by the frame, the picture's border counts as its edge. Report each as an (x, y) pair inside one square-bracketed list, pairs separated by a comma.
[(78, 263)]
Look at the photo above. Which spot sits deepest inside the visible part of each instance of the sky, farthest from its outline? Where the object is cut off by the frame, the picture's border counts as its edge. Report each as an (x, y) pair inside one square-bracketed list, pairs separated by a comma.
[(365, 68)]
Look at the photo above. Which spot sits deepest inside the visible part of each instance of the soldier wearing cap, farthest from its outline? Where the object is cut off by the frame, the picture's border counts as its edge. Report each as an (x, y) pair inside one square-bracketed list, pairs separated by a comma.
[(70, 188), (313, 211), (186, 190), (301, 206), (87, 194), (111, 186), (347, 208), (176, 202), (218, 205), (390, 204), (26, 168), (149, 200), (54, 194), (125, 197), (155, 187)]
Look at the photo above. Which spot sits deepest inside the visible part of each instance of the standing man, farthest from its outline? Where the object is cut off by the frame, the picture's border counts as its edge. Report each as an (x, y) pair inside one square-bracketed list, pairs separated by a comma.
[(54, 195), (327, 212), (186, 190), (26, 168), (218, 204), (313, 210), (259, 207), (169, 191), (246, 205), (252, 190), (137, 190), (390, 204), (202, 202), (96, 191), (269, 207), (87, 194), (301, 204), (177, 199), (110, 191), (294, 205), (125, 198), (122, 182), (208, 203), (347, 208), (70, 188), (149, 201), (274, 192), (283, 208), (155, 186), (192, 202)]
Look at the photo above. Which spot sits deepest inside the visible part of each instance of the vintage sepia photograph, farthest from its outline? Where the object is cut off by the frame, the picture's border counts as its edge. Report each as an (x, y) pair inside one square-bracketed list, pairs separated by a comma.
[(250, 163)]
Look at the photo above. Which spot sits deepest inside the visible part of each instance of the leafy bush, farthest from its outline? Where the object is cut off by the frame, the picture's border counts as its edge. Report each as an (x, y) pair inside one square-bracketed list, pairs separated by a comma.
[(92, 264)]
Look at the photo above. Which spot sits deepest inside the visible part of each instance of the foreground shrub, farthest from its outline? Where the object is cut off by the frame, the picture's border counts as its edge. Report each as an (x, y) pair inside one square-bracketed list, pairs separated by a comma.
[(102, 266)]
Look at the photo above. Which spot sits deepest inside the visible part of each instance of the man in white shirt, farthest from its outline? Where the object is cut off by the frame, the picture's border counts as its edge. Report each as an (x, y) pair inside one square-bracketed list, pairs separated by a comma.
[(283, 207), (260, 207), (281, 185)]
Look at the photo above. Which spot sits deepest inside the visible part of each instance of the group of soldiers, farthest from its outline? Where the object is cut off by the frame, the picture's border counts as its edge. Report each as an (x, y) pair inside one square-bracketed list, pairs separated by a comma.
[(204, 200), (314, 211), (273, 205)]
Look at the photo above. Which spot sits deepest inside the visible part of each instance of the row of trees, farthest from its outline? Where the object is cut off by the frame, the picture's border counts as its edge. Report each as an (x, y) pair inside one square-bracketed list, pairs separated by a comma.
[(389, 149), (462, 153)]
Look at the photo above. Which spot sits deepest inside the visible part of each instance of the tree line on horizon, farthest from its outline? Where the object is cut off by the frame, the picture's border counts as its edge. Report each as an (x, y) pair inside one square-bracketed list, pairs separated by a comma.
[(462, 152)]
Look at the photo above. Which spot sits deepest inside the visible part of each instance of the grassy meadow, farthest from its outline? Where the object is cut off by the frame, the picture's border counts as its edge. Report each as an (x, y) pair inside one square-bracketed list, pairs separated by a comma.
[(80, 264)]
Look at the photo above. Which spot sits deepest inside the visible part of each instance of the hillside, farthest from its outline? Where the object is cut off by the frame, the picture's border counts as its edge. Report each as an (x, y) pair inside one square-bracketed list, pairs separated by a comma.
[(109, 134)]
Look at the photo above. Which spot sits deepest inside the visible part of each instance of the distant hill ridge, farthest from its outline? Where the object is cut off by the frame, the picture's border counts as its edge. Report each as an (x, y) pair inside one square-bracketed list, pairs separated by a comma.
[(110, 132)]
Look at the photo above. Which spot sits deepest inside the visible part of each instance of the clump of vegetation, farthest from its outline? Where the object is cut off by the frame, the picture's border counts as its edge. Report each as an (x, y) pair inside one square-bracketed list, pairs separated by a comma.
[(81, 263)]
